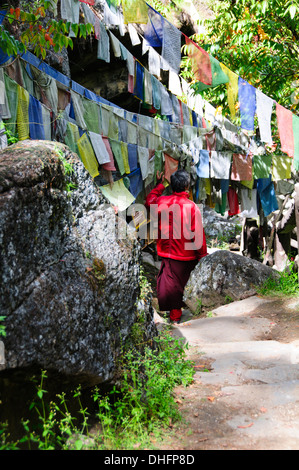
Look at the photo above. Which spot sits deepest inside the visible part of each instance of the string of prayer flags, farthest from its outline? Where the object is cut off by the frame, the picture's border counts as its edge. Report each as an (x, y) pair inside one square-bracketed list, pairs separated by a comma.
[(285, 129), (135, 11), (87, 156), (247, 100)]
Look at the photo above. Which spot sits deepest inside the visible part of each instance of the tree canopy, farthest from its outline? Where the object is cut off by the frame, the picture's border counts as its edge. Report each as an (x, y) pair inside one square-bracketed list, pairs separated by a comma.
[(35, 25), (259, 41)]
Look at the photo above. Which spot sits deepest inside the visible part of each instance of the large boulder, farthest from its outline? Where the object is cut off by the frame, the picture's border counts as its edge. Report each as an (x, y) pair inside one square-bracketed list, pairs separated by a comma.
[(224, 276), (69, 287)]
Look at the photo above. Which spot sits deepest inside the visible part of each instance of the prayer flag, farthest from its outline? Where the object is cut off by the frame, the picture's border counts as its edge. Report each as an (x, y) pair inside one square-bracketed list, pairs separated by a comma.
[(285, 129), (87, 155), (135, 11), (200, 62), (247, 99)]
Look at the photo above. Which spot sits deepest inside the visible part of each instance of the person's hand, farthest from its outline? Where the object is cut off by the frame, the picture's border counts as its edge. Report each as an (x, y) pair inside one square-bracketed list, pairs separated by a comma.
[(160, 177)]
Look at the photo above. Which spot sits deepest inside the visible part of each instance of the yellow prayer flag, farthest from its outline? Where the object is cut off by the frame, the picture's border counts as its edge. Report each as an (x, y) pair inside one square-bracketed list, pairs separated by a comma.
[(23, 113), (232, 89), (135, 11), (87, 156), (118, 195), (281, 167), (125, 156)]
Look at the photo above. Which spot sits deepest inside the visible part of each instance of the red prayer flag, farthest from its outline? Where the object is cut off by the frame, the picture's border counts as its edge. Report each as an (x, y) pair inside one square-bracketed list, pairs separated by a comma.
[(89, 2), (285, 129), (171, 165), (200, 61)]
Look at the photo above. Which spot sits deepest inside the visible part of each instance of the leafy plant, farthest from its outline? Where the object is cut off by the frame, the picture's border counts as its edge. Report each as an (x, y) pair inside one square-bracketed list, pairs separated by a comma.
[(2, 327), (128, 416), (39, 29)]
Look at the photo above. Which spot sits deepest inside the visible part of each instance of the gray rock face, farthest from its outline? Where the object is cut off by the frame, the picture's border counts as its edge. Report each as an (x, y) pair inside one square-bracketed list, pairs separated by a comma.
[(224, 276), (68, 286)]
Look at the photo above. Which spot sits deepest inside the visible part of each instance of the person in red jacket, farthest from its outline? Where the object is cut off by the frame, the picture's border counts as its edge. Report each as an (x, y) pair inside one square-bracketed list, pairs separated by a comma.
[(181, 240)]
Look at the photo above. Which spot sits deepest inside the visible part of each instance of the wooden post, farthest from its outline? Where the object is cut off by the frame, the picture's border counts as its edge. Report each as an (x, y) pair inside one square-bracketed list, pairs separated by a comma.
[(297, 219)]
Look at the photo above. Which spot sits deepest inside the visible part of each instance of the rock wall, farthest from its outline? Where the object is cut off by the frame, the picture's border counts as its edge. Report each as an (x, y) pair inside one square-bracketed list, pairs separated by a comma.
[(68, 286)]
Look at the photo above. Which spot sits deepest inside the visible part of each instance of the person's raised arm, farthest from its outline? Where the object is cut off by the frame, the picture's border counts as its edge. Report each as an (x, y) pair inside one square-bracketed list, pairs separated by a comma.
[(157, 191)]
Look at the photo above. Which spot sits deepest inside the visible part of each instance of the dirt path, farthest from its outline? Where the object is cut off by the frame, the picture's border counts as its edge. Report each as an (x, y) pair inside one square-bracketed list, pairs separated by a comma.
[(245, 394)]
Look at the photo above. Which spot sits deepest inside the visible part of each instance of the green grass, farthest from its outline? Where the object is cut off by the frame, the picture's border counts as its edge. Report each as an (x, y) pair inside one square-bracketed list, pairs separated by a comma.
[(285, 285)]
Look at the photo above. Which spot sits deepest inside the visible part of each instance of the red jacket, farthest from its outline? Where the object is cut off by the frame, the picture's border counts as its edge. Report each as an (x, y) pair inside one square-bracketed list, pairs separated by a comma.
[(180, 232)]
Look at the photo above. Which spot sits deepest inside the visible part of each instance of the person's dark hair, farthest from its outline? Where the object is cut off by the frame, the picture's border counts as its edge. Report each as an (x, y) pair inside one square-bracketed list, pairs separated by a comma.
[(180, 181)]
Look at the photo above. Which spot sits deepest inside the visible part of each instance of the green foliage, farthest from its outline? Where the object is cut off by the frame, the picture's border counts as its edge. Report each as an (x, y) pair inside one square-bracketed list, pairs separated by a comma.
[(68, 170), (11, 138), (145, 399), (286, 285), (259, 41), (39, 29), (128, 416), (2, 327)]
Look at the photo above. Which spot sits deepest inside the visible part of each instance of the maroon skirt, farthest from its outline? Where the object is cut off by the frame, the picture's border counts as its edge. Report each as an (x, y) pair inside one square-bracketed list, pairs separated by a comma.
[(171, 281)]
